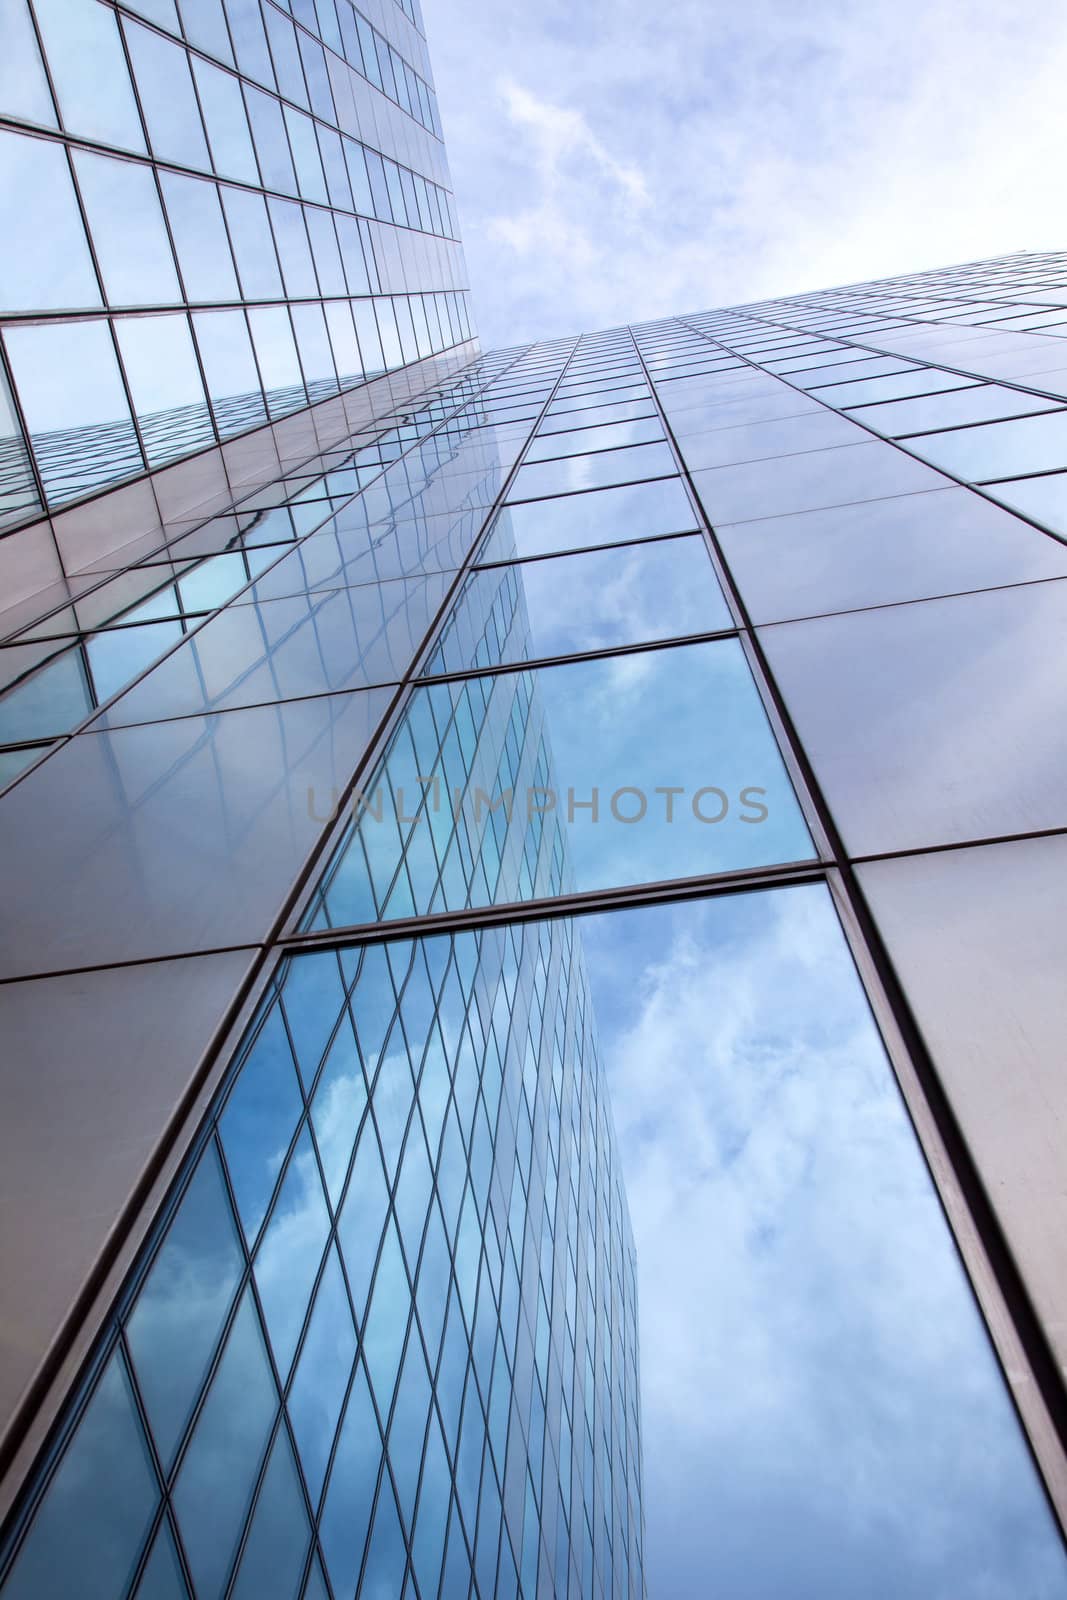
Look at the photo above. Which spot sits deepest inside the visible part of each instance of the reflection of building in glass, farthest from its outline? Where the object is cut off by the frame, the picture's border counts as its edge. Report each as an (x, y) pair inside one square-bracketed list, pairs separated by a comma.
[(341, 670)]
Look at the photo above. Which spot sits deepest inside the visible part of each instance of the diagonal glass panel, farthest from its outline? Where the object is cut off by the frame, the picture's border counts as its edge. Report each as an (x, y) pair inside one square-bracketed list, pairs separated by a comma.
[(175, 1324), (322, 1376), (213, 1491), (289, 1253), (92, 1524)]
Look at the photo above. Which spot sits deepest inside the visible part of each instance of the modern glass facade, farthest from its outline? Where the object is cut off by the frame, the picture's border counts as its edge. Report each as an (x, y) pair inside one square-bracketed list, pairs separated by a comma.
[(445, 779), (211, 218)]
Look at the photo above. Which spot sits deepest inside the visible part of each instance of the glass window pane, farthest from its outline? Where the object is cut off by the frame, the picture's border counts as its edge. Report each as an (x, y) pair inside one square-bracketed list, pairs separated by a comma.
[(74, 404), (218, 1472), (167, 98), (577, 440), (272, 335), (350, 1495), (253, 243), (200, 238), (205, 26), (118, 655), (182, 1306), (306, 158), (89, 1531), (259, 1121), (321, 1381), (282, 36), (316, 357), (230, 369), (952, 749), (88, 68), (227, 125), (952, 409), (999, 450), (294, 251), (737, 1030), (290, 1251), (1045, 499), (162, 1576), (50, 701), (340, 1097), (918, 380), (165, 383), (608, 516), (45, 263), (272, 145), (24, 88), (324, 248), (129, 235), (583, 603), (672, 773), (272, 1562), (250, 41), (343, 339), (370, 345)]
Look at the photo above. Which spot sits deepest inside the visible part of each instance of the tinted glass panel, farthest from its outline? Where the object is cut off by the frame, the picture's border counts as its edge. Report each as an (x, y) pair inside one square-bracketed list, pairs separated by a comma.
[(618, 771), (592, 471), (180, 1310), (126, 220), (218, 1472), (91, 1527), (575, 440), (45, 263), (1032, 444), (608, 516), (582, 602)]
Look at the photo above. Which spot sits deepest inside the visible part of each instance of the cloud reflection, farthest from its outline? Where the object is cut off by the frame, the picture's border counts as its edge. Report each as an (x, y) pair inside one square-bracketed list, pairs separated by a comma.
[(822, 1410)]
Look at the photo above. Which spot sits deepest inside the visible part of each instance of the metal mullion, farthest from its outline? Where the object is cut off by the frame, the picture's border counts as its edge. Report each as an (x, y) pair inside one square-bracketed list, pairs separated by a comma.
[(250, 994), (608, 652), (206, 617), (1002, 1300), (323, 854), (1009, 1288), (773, 705), (547, 908), (945, 472)]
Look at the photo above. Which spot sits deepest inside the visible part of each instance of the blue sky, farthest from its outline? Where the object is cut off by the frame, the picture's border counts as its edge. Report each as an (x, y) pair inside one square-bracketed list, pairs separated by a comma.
[(619, 160)]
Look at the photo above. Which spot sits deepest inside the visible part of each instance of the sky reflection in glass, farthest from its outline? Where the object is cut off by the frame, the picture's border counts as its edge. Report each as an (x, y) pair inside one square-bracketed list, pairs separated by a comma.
[(823, 1413)]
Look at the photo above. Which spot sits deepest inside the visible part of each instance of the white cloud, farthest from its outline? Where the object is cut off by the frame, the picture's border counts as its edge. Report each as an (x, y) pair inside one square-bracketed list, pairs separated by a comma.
[(638, 162)]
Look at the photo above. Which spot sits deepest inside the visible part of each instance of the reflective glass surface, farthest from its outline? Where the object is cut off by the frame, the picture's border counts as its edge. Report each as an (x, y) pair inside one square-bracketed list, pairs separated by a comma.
[(588, 775), (183, 1305), (905, 548), (560, 605), (956, 742), (1043, 498), (129, 235), (574, 441), (95, 1518), (1000, 449), (606, 516), (765, 1145), (46, 261), (627, 465)]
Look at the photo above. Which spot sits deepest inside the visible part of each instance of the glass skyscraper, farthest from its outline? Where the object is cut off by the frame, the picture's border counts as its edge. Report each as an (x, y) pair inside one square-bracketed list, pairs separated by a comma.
[(425, 772)]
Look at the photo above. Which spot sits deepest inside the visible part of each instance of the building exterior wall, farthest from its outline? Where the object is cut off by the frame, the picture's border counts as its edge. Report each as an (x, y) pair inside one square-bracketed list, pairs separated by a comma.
[(754, 598)]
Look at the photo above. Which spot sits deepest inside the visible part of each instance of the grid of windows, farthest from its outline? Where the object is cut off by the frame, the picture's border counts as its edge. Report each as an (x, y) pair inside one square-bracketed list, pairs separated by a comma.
[(211, 221), (388, 1333), (670, 622)]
